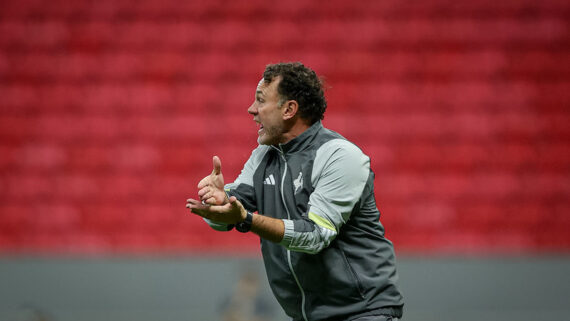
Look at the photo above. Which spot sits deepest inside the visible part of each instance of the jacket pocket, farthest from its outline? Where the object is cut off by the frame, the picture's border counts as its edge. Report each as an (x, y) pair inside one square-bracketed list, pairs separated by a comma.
[(329, 279), (355, 278)]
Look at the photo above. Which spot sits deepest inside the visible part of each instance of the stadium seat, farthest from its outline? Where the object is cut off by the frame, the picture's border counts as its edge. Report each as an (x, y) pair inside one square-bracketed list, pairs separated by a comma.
[(462, 108)]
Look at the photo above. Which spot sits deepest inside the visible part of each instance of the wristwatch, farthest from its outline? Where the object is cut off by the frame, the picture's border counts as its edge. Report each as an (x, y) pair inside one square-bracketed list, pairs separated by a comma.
[(245, 225)]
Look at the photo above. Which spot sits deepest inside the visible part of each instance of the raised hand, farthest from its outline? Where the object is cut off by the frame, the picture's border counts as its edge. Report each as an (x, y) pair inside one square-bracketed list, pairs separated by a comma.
[(211, 188)]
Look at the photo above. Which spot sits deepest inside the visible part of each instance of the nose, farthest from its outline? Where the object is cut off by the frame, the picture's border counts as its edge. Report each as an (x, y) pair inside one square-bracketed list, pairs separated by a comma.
[(252, 109)]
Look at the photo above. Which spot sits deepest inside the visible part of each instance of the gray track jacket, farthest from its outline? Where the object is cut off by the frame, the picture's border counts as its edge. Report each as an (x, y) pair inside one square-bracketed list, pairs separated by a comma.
[(334, 262)]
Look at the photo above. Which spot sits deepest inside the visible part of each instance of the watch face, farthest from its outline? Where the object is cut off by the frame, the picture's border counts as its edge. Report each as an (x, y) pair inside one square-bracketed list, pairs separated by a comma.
[(243, 227)]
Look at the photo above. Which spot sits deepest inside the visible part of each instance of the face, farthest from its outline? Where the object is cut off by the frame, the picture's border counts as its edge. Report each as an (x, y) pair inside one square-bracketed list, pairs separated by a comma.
[(268, 114)]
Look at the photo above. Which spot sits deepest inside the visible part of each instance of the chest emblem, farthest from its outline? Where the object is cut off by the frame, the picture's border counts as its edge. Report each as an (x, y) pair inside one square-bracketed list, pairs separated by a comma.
[(298, 182)]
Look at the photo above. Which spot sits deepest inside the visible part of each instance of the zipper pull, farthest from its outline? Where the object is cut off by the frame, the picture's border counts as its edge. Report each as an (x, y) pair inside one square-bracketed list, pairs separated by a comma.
[(282, 152)]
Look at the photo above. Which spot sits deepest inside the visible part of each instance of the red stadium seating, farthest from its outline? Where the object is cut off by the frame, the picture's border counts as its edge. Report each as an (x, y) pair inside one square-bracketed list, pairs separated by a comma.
[(110, 113)]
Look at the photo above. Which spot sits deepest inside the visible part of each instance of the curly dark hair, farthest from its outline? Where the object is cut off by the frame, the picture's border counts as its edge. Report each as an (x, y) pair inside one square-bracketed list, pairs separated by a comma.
[(299, 83)]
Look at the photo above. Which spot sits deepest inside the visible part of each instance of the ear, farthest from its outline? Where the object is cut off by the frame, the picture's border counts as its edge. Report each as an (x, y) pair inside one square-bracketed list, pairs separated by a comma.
[(290, 109)]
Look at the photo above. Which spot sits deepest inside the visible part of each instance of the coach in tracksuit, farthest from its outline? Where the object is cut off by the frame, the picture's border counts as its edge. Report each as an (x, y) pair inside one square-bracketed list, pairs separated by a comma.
[(323, 246)]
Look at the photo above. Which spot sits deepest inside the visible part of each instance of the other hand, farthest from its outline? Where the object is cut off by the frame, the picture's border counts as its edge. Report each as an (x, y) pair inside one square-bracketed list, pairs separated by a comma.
[(211, 188)]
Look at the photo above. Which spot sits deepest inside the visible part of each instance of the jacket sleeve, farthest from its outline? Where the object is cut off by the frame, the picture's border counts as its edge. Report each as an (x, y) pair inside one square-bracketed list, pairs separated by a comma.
[(242, 187), (340, 173)]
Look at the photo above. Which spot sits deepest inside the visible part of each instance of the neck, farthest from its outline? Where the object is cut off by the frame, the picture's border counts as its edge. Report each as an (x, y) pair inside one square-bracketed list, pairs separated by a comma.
[(298, 127)]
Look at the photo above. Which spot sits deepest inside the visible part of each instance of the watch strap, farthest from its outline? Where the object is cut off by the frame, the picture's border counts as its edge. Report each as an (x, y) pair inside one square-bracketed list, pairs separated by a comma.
[(245, 225)]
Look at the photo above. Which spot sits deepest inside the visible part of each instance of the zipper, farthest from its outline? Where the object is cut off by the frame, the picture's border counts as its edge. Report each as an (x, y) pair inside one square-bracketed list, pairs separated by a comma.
[(288, 251)]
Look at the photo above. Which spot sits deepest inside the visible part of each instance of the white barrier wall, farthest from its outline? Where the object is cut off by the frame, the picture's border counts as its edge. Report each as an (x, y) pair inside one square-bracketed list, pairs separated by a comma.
[(189, 288)]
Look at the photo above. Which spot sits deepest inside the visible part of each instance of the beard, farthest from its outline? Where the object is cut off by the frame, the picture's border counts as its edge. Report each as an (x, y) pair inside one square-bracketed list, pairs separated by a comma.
[(270, 135)]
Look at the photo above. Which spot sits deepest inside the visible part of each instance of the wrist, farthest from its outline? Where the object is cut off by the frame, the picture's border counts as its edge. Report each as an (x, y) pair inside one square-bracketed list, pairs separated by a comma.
[(245, 225), (244, 213)]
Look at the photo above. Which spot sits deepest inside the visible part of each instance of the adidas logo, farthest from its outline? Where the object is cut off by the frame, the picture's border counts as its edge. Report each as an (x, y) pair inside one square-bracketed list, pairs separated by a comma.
[(269, 180)]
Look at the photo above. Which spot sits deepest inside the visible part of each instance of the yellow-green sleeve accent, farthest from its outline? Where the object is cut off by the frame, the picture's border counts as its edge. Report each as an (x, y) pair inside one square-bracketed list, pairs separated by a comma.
[(322, 222)]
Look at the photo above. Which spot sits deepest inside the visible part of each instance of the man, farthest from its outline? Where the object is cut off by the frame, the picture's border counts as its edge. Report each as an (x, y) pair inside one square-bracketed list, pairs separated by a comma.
[(323, 246)]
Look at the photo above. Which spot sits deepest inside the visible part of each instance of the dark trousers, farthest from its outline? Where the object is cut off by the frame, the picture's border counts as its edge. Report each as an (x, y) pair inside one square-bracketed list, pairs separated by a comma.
[(377, 318)]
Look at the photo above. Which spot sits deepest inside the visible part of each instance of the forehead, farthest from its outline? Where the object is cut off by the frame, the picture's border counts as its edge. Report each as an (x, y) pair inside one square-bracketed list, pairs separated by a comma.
[(266, 88), (260, 83)]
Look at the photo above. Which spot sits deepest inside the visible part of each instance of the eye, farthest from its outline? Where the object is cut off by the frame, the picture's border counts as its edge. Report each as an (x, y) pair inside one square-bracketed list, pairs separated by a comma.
[(260, 100)]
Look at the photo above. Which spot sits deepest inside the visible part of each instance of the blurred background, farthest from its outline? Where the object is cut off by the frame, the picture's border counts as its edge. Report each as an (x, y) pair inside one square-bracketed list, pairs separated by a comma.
[(111, 111)]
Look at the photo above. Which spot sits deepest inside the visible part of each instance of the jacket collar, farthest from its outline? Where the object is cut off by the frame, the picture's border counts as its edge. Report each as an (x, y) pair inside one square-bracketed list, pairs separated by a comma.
[(300, 142)]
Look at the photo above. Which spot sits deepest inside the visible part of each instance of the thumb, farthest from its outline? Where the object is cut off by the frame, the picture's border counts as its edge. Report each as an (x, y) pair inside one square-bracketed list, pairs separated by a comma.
[(217, 165), (237, 206), (234, 202)]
